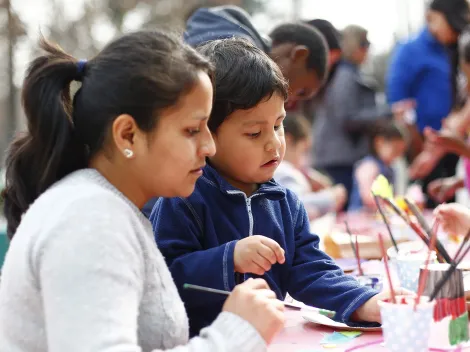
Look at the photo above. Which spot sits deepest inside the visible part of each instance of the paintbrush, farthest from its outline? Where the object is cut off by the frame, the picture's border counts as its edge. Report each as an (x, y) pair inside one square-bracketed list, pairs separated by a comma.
[(325, 312), (424, 225), (379, 207), (453, 266), (424, 276), (412, 225), (355, 249)]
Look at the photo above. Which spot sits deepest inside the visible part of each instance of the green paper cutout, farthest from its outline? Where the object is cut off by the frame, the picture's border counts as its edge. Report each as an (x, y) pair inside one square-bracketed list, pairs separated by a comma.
[(458, 330), (351, 334)]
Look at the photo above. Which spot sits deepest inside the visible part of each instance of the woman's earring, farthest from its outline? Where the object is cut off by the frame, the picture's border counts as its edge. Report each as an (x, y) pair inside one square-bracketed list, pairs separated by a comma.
[(128, 153)]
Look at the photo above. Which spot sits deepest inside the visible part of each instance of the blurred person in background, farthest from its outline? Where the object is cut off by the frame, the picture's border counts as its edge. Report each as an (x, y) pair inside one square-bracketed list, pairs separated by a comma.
[(333, 38), (292, 173), (421, 70), (347, 112), (299, 49)]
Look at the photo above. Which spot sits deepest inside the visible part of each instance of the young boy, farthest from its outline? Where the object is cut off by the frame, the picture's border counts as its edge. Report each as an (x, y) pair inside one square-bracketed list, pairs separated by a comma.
[(239, 222)]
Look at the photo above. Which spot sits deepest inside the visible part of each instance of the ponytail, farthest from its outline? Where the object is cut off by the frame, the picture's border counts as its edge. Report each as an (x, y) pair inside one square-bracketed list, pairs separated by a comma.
[(139, 74), (48, 150)]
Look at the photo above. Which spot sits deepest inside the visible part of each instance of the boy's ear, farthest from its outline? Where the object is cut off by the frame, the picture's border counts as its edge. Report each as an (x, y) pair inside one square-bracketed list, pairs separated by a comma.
[(299, 53)]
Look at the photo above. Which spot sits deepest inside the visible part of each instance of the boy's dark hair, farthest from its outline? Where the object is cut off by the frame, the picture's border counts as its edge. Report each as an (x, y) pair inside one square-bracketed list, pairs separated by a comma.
[(139, 74), (244, 76), (389, 130), (329, 32), (297, 126), (304, 34)]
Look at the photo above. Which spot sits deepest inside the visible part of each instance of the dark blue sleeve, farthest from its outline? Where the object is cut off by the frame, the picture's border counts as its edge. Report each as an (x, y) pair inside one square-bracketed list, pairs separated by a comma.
[(401, 74), (178, 231), (317, 281)]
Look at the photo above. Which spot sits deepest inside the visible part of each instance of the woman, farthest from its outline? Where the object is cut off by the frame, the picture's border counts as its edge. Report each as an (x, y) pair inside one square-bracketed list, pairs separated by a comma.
[(83, 272)]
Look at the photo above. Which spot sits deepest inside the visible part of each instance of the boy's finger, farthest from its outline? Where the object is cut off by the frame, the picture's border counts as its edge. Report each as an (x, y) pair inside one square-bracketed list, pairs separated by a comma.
[(275, 247), (267, 253), (263, 262)]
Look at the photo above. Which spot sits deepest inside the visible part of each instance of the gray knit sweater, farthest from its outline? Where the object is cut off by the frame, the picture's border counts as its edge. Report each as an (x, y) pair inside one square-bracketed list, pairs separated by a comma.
[(83, 274)]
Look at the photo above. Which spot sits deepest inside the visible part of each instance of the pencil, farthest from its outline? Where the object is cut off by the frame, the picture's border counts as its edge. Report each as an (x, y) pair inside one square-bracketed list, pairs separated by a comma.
[(325, 312)]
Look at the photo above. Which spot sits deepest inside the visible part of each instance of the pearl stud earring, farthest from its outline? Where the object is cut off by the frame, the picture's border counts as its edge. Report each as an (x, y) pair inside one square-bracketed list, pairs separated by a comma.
[(128, 153)]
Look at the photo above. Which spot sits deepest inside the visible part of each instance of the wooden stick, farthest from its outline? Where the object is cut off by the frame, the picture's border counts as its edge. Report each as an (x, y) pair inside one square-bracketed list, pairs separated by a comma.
[(379, 207), (355, 249), (358, 258), (387, 270)]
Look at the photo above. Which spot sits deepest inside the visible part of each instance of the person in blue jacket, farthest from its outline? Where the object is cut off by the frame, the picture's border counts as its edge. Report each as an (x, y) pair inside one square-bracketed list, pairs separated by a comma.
[(288, 45), (421, 70), (239, 223)]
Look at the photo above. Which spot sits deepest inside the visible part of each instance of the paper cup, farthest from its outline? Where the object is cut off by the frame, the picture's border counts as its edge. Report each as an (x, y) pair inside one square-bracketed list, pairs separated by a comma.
[(408, 268), (450, 311), (404, 328)]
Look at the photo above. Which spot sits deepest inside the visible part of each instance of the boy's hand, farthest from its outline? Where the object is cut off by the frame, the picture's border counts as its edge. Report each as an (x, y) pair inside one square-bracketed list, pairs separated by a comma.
[(454, 218), (256, 255), (370, 311)]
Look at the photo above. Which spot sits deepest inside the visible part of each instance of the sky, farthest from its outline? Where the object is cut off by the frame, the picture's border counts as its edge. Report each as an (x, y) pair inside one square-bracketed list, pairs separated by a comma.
[(384, 19)]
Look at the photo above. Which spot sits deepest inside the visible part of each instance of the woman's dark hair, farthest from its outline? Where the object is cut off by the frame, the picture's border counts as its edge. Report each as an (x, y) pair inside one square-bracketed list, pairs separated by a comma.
[(297, 126), (138, 74), (389, 131), (244, 76)]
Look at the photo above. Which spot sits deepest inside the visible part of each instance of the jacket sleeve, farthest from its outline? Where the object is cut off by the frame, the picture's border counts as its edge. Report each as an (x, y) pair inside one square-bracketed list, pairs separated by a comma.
[(178, 230), (401, 74), (317, 281)]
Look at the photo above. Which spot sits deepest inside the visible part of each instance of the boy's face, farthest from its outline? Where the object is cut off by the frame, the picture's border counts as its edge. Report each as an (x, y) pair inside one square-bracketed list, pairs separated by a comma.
[(250, 144)]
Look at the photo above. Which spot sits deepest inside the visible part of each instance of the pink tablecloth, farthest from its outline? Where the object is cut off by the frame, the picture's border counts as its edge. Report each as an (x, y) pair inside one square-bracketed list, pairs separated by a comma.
[(300, 336)]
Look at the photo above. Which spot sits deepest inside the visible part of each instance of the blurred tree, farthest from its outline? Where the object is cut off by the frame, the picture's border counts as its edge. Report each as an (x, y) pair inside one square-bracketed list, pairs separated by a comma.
[(10, 31)]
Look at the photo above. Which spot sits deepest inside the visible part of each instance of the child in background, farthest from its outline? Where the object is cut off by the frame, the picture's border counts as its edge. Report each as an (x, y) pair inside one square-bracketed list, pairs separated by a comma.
[(239, 222), (290, 175), (387, 143)]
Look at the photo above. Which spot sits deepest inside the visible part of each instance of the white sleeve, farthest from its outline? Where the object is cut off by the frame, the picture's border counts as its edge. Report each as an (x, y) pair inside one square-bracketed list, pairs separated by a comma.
[(90, 269)]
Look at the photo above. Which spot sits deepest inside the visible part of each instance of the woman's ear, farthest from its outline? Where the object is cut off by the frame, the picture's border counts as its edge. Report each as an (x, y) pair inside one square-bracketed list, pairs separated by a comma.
[(124, 134)]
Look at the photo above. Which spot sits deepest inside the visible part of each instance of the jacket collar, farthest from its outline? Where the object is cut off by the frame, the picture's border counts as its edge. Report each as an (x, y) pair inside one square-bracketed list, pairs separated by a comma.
[(271, 189)]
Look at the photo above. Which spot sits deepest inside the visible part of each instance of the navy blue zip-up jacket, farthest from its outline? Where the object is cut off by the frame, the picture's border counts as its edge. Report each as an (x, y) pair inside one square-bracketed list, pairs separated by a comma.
[(197, 237), (222, 22)]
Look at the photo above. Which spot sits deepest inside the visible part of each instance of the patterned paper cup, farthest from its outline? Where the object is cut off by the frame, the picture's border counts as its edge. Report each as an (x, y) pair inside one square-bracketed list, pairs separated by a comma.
[(404, 328), (408, 268)]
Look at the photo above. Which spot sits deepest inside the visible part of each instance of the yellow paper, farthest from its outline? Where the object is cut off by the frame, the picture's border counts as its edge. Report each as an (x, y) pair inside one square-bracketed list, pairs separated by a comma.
[(382, 188)]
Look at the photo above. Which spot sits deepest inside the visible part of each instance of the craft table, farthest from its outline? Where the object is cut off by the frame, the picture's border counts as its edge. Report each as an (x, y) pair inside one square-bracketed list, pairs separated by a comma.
[(299, 335)]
